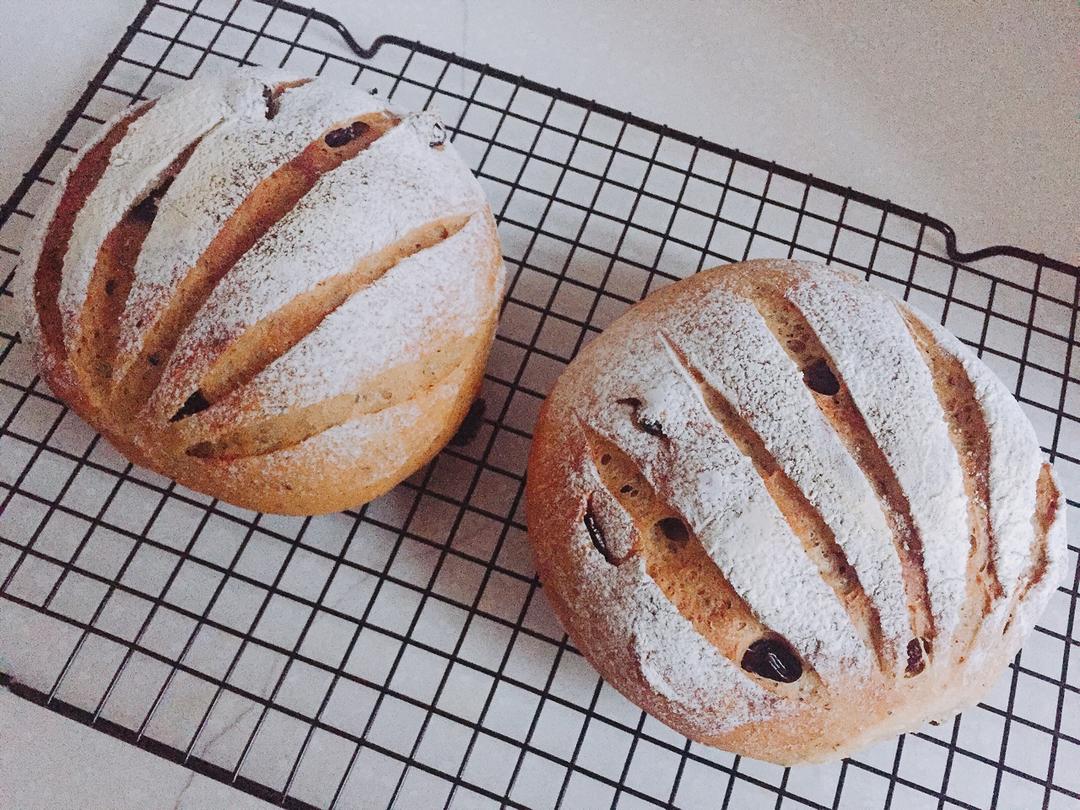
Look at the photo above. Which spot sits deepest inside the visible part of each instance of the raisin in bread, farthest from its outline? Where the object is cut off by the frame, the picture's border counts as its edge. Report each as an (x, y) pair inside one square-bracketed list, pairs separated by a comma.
[(278, 291), (788, 515)]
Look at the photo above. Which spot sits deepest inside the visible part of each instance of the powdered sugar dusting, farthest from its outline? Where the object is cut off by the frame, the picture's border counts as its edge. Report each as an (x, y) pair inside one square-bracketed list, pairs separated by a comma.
[(1026, 612), (371, 446), (738, 356), (30, 256), (396, 185), (678, 662), (1015, 463), (700, 472), (627, 610), (875, 355), (222, 172), (380, 439), (434, 296), (151, 144)]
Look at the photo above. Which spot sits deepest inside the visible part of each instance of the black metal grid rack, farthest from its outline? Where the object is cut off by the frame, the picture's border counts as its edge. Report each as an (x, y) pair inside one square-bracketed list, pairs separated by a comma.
[(401, 655)]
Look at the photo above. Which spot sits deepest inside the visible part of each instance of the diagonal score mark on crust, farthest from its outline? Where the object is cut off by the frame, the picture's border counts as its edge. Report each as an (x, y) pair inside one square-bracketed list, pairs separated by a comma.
[(272, 95), (274, 335), (1047, 504), (797, 337), (271, 200), (110, 283), (681, 567), (80, 185), (806, 522), (111, 279), (394, 386), (971, 437)]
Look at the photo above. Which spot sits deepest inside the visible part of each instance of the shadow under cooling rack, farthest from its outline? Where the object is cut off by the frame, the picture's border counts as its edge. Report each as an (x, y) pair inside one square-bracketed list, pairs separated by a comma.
[(401, 654)]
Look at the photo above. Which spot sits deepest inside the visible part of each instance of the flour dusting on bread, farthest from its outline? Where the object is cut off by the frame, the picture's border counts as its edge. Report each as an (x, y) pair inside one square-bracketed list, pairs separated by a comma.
[(265, 223), (783, 413)]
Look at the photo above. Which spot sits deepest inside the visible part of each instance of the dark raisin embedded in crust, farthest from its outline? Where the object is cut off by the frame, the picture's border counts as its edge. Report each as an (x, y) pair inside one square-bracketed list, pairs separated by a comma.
[(819, 377), (650, 426), (146, 210), (195, 403), (110, 286), (337, 137), (270, 97), (674, 530), (918, 650), (343, 135), (772, 658), (438, 135), (200, 450), (596, 535)]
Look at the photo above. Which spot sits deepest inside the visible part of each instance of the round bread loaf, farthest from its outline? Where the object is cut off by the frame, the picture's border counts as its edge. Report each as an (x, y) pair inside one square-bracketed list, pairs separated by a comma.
[(788, 515), (278, 291)]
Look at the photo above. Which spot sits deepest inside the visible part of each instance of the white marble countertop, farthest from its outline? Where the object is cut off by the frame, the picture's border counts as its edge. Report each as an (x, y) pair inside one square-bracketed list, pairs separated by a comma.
[(92, 771), (967, 112)]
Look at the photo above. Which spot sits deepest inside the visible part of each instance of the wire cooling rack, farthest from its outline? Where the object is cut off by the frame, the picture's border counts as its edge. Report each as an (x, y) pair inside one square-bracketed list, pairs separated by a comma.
[(401, 654)]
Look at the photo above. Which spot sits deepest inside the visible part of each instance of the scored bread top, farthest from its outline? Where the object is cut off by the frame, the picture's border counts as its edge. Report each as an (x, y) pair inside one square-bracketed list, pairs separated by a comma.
[(381, 326), (892, 388), (396, 187), (780, 464), (254, 260), (136, 164), (230, 161)]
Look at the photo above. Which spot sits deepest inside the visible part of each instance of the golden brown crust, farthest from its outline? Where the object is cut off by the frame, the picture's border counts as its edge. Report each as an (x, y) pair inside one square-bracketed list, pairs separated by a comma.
[(304, 483), (315, 455), (829, 720), (313, 483), (856, 714), (48, 271), (271, 200)]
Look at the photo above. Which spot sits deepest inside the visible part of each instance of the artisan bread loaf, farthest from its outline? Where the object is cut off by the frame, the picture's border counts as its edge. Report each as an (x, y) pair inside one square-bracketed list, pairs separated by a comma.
[(277, 291), (788, 515)]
